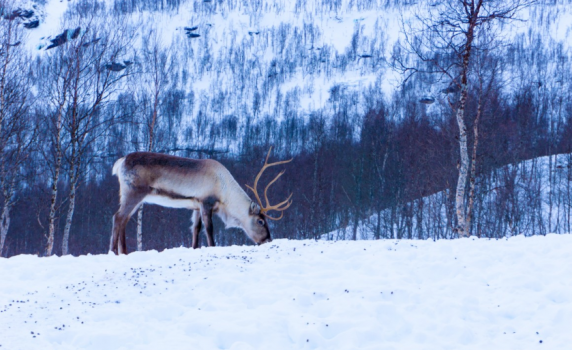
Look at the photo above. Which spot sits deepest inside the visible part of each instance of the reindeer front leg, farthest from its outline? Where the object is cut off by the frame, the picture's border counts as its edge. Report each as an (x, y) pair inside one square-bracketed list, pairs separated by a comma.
[(207, 217)]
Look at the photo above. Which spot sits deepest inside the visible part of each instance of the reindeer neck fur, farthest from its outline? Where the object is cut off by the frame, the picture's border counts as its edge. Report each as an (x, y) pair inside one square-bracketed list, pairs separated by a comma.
[(234, 208)]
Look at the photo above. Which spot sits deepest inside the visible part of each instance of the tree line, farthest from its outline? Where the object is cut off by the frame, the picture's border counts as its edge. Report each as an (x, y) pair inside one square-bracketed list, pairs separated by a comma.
[(390, 170)]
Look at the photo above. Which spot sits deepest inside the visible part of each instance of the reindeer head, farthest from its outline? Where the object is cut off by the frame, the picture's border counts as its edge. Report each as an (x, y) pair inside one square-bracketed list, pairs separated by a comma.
[(258, 214)]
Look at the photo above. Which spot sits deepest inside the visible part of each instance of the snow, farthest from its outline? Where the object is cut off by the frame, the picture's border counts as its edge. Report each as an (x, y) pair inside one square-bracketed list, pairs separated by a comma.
[(459, 294)]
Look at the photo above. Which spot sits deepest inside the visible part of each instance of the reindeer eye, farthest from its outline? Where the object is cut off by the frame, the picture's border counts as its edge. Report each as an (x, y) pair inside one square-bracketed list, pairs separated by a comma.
[(260, 222)]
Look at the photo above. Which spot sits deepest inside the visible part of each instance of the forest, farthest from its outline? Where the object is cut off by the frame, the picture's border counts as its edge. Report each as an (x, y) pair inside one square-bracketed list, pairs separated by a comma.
[(369, 159)]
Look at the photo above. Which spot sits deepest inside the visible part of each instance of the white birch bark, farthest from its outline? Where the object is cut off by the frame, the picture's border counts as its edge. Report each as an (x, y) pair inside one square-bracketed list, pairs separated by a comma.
[(52, 215), (71, 208), (56, 174), (54, 196), (473, 176), (154, 55), (140, 229), (4, 225), (463, 167), (460, 195)]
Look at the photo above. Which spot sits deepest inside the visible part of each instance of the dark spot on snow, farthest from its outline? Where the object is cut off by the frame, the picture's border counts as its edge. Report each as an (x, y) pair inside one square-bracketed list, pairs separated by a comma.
[(540, 341)]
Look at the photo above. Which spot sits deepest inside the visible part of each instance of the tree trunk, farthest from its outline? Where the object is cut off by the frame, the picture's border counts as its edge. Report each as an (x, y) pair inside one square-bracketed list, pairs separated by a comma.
[(355, 228), (52, 216), (151, 127), (140, 229), (460, 195), (378, 225), (71, 208), (473, 175), (3, 79), (4, 225), (313, 228), (463, 167)]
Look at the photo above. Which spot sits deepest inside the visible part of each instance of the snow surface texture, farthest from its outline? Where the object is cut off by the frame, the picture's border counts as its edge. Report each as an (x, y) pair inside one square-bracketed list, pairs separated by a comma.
[(461, 294)]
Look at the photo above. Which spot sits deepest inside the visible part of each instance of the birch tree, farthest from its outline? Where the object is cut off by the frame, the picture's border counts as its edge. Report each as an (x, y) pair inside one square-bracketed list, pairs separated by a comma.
[(486, 71), (445, 36), (16, 127), (82, 76), (157, 66)]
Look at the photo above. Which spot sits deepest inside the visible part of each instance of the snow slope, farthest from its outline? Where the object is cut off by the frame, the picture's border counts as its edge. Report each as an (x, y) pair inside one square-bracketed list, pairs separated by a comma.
[(461, 294), (535, 195), (250, 47), (297, 57)]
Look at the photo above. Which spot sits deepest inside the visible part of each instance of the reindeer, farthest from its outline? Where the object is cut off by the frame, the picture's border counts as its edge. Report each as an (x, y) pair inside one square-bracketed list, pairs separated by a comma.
[(202, 185)]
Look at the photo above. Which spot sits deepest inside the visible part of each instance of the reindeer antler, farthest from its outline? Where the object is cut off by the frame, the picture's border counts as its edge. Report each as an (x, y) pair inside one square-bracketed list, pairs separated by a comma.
[(277, 207)]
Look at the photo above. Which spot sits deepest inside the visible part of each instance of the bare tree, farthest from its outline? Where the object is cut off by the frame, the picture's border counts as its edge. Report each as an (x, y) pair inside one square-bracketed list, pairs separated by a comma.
[(157, 66), (16, 127), (445, 37), (82, 76), (486, 71)]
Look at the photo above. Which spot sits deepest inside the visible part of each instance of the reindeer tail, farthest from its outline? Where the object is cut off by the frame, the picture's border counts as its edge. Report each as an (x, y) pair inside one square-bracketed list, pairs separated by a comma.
[(118, 164)]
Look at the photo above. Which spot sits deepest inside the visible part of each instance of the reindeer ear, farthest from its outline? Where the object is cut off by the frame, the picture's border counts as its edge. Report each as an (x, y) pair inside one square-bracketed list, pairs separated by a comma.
[(254, 208)]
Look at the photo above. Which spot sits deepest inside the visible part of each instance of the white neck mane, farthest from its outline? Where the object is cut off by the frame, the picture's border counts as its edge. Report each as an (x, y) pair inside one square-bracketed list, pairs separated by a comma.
[(234, 208)]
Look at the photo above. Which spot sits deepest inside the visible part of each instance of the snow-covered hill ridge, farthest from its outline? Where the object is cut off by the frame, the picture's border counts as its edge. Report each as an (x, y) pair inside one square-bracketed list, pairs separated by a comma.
[(533, 197), (388, 294)]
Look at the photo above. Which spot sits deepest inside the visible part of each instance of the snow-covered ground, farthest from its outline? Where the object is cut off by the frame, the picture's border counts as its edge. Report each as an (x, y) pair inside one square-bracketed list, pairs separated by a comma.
[(460, 294)]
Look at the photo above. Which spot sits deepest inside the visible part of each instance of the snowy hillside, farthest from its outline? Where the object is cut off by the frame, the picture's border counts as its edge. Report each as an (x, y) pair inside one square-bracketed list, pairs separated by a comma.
[(389, 294), (533, 197), (258, 59), (252, 59)]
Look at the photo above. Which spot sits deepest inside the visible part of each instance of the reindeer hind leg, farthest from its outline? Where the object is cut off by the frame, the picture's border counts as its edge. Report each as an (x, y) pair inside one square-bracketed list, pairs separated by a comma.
[(129, 204), (196, 228), (207, 216)]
